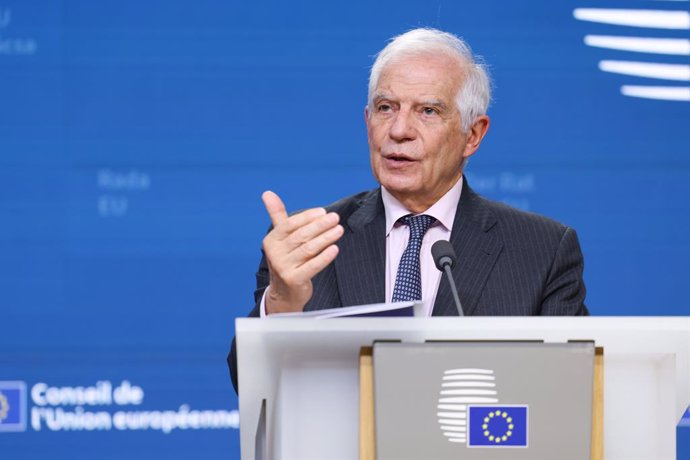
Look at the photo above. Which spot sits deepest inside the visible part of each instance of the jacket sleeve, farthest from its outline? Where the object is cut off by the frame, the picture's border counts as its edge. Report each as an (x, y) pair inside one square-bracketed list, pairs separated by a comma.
[(262, 280), (564, 292)]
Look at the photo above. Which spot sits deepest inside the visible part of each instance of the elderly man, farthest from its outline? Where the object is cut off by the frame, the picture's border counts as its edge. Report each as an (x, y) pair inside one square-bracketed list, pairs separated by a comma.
[(426, 115)]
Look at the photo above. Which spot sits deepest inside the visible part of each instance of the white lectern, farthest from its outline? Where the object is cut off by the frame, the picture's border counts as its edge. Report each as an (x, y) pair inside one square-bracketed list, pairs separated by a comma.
[(306, 372)]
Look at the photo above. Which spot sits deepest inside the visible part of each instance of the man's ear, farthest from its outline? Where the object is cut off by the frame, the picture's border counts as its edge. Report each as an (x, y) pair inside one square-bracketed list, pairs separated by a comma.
[(366, 118), (476, 134)]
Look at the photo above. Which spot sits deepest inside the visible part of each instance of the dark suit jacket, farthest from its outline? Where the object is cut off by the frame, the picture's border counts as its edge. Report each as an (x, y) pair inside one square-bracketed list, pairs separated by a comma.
[(509, 262)]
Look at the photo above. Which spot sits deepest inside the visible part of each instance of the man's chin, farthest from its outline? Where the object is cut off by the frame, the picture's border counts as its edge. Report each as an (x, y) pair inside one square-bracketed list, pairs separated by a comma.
[(401, 191), (399, 185)]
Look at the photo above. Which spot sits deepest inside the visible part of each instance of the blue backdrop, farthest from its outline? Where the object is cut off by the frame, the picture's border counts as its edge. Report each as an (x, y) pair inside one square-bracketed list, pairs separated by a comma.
[(137, 137)]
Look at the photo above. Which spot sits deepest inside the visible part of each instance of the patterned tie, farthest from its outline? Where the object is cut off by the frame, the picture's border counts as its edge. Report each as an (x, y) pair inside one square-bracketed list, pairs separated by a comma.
[(408, 282)]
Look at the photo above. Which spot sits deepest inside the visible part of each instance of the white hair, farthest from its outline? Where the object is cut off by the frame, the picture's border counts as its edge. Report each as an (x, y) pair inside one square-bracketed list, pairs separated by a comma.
[(474, 95)]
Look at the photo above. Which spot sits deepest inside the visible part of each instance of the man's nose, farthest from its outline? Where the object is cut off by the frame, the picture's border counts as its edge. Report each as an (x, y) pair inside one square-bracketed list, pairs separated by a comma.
[(403, 128)]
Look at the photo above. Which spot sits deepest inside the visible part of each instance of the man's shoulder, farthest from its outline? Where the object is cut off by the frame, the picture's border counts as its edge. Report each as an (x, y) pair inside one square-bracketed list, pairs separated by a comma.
[(516, 221)]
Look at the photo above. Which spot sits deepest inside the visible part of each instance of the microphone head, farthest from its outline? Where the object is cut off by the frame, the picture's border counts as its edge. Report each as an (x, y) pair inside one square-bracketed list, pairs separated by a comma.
[(443, 253)]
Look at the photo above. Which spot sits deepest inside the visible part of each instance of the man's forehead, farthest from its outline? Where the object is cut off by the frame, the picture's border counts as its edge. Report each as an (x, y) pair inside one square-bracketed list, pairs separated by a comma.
[(424, 60), (421, 69), (419, 79)]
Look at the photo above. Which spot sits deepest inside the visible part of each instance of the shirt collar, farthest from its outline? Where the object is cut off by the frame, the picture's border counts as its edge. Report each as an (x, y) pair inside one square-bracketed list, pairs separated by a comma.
[(443, 210)]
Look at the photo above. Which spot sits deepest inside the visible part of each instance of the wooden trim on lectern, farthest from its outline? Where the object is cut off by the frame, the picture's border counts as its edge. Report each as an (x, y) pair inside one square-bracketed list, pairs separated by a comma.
[(367, 435), (598, 406)]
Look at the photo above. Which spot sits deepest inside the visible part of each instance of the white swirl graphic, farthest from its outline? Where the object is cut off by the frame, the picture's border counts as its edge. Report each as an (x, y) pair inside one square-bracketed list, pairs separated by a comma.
[(662, 47), (459, 388)]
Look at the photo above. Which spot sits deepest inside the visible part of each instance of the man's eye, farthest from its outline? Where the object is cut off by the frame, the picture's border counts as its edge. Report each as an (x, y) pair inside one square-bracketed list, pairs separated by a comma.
[(429, 111), (384, 108)]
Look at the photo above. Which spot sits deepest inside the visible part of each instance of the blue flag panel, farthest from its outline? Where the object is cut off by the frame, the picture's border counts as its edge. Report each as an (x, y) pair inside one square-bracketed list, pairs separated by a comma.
[(498, 426), (12, 406)]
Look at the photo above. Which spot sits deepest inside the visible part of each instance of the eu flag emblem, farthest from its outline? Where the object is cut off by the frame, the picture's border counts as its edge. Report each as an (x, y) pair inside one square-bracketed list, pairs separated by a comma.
[(12, 406), (497, 426)]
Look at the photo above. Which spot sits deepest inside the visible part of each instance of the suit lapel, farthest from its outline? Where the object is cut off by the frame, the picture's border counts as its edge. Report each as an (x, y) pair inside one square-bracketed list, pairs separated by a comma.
[(476, 248), (361, 265)]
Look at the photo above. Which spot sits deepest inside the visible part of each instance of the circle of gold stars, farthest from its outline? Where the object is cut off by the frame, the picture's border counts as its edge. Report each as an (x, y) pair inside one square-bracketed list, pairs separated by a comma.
[(498, 414)]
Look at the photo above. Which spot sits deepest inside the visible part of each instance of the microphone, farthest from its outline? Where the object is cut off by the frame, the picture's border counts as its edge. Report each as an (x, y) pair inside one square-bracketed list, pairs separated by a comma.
[(444, 258)]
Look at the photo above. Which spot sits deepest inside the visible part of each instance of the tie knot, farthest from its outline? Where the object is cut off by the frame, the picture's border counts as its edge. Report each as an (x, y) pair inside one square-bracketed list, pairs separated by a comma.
[(418, 225)]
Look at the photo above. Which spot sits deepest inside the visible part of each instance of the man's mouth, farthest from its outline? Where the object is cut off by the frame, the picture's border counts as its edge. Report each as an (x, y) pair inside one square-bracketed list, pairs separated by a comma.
[(398, 157)]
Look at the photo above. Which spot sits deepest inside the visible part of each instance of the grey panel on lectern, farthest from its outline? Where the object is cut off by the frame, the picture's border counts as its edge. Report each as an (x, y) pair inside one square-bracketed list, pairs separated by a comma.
[(483, 400)]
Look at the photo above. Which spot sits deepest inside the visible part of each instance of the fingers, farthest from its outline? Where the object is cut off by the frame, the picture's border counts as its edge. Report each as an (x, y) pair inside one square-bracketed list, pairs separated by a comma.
[(300, 220), (313, 256), (314, 265), (312, 229), (274, 207), (315, 245), (297, 248), (288, 252), (299, 228), (282, 223)]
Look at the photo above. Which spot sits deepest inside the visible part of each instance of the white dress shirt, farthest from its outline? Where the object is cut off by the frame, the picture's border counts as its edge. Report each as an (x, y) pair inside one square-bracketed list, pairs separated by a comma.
[(398, 234)]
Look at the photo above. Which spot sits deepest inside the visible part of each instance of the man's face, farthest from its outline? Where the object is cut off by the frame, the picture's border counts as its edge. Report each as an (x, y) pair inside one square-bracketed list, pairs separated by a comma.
[(415, 141)]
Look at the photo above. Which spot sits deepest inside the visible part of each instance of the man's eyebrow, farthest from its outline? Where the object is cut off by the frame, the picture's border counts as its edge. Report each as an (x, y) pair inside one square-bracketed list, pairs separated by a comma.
[(434, 103), (381, 95)]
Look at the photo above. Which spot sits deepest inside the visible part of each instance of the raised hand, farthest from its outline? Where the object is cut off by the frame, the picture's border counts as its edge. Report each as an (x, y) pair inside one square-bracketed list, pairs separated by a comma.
[(297, 248)]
